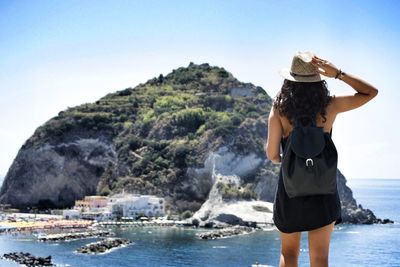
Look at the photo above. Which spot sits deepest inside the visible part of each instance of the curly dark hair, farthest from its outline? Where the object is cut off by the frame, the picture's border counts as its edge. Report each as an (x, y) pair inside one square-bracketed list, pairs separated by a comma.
[(302, 98)]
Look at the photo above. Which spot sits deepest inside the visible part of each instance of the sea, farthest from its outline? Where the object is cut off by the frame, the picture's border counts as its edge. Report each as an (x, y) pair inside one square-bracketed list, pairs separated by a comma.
[(351, 245)]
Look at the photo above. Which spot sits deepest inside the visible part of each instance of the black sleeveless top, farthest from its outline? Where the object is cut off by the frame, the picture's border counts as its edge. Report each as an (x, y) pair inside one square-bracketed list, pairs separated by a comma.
[(304, 213)]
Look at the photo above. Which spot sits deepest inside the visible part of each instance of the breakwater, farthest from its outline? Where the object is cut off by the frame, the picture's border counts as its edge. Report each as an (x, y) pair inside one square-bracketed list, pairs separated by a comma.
[(74, 235), (103, 245), (226, 232), (28, 259), (141, 224)]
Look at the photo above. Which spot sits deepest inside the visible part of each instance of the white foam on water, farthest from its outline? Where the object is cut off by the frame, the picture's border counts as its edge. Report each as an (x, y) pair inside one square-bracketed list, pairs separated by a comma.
[(219, 246), (352, 232), (268, 229)]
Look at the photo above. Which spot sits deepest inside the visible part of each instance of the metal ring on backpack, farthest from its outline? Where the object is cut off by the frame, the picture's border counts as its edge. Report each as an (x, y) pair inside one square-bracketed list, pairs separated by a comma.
[(309, 160)]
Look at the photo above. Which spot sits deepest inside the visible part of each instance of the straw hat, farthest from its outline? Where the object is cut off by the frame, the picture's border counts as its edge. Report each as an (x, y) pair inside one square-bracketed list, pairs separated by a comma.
[(302, 70)]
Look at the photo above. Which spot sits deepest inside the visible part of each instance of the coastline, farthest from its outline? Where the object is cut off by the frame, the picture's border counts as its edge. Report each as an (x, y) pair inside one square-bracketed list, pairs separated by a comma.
[(53, 228), (179, 245)]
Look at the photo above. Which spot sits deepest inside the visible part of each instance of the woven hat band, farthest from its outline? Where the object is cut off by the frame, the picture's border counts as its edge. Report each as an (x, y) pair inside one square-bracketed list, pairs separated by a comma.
[(302, 75)]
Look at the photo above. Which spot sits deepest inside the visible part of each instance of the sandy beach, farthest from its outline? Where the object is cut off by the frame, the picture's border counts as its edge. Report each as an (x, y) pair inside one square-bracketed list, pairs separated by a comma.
[(27, 222)]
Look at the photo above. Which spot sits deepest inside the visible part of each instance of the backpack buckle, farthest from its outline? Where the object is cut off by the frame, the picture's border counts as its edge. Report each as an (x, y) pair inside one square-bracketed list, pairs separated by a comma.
[(309, 161)]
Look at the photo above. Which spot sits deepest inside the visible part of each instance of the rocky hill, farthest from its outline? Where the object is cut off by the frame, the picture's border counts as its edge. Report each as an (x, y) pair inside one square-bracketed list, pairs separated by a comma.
[(165, 137)]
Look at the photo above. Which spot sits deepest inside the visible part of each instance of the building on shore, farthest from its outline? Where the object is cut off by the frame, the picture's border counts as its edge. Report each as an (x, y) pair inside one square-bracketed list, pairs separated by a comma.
[(134, 205), (89, 203), (103, 208), (98, 215), (71, 214)]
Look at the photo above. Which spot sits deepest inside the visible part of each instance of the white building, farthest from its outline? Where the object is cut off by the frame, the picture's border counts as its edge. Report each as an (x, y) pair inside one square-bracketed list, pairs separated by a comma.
[(71, 214), (133, 205), (98, 215)]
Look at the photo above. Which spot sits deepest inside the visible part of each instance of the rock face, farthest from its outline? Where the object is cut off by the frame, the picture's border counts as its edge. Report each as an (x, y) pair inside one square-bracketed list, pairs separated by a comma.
[(195, 137), (351, 212), (224, 167), (57, 174)]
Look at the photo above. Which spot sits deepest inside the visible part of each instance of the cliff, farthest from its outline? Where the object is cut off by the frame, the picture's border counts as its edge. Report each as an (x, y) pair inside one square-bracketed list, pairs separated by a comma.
[(172, 136)]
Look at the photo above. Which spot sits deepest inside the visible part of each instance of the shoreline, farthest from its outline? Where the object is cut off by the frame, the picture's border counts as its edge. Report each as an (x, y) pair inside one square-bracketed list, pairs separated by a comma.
[(41, 226)]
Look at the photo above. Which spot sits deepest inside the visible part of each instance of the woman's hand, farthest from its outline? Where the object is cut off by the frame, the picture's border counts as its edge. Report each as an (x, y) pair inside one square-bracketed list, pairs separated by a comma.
[(324, 67), (365, 91)]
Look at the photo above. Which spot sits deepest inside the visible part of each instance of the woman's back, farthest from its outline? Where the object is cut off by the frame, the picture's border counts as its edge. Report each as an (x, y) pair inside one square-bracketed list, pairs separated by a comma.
[(304, 92), (326, 124)]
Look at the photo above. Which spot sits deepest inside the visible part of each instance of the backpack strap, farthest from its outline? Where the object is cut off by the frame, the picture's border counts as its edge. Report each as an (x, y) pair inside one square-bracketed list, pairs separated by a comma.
[(331, 131)]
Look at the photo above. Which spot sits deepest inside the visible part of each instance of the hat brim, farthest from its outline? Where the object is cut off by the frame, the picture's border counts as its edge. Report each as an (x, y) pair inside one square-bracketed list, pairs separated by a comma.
[(285, 73)]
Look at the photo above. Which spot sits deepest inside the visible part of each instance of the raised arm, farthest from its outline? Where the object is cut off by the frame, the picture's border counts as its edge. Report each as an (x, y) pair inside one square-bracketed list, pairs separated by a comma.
[(365, 91)]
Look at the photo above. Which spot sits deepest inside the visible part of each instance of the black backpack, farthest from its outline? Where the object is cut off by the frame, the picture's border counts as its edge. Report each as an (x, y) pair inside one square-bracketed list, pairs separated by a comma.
[(309, 163)]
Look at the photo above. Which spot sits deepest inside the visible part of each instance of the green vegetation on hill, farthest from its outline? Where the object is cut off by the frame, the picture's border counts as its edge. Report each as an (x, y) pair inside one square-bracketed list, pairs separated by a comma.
[(157, 127), (232, 191)]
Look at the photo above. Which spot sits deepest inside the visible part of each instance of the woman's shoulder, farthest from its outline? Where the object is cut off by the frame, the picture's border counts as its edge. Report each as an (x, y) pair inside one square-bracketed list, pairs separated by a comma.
[(331, 105)]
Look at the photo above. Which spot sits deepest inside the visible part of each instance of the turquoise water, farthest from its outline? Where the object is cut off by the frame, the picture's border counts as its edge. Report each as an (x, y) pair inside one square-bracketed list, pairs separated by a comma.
[(351, 245)]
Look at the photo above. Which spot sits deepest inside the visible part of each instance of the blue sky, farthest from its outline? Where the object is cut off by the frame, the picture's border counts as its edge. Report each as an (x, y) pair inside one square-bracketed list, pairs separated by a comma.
[(58, 54)]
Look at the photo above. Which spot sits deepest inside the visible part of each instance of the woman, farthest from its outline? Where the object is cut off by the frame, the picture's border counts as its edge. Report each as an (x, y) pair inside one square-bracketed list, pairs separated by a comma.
[(304, 91)]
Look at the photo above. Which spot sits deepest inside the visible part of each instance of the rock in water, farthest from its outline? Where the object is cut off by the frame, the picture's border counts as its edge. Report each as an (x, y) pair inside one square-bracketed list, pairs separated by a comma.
[(103, 245), (28, 259), (226, 232)]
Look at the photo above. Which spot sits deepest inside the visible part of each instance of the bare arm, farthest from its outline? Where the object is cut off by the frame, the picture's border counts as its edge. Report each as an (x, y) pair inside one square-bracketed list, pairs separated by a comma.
[(275, 131), (365, 91)]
